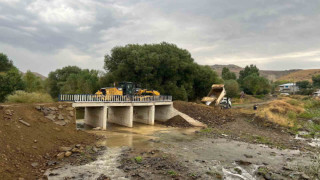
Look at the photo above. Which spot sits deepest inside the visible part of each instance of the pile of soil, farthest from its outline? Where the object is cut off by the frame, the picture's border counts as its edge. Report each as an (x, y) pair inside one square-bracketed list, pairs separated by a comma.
[(154, 164), (177, 121), (212, 116), (28, 139)]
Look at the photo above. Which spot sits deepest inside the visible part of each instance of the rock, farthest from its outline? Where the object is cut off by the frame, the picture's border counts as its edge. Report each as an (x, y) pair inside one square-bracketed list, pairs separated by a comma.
[(69, 108), (248, 156), (35, 141), (71, 113), (60, 117), (8, 112), (65, 148), (97, 128), (60, 155), (53, 108), (76, 150), (60, 106), (304, 176), (38, 108), (78, 146), (25, 123), (67, 154), (51, 117), (61, 123), (51, 163), (35, 164), (94, 149), (244, 163), (103, 177)]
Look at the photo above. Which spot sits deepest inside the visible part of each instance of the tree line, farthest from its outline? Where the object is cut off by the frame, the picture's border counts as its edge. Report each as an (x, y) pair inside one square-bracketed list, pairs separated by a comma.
[(163, 67)]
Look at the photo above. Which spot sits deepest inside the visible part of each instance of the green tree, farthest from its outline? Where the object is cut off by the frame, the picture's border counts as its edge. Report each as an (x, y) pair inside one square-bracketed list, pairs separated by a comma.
[(163, 67), (5, 63), (58, 78), (232, 88), (255, 85), (316, 81), (32, 82), (10, 81), (85, 82), (227, 74), (248, 70)]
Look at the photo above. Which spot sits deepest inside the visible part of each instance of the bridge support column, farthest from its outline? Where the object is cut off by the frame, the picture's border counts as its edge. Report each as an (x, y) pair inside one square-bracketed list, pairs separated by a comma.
[(96, 116), (163, 112), (144, 114), (122, 115)]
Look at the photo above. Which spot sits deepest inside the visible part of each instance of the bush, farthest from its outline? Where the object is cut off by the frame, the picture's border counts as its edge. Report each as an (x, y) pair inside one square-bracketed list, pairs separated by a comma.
[(232, 88), (24, 97)]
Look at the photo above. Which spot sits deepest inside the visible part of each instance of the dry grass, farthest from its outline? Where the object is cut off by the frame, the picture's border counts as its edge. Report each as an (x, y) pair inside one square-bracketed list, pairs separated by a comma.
[(24, 97), (282, 112)]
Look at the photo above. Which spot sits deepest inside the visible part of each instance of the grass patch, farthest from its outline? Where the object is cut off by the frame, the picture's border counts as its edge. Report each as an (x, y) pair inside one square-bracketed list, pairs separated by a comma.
[(172, 173), (313, 169), (25, 97), (206, 130), (138, 159)]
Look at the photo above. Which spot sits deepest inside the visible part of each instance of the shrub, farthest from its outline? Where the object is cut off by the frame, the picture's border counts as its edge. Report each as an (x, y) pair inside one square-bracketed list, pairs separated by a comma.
[(138, 159), (24, 97)]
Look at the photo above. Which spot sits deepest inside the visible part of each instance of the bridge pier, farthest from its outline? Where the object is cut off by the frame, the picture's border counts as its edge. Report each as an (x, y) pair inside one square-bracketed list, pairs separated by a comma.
[(164, 112), (144, 114), (96, 116), (122, 115)]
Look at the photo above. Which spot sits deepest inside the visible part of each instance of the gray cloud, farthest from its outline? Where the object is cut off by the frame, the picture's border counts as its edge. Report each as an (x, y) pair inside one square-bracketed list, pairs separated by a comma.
[(45, 35)]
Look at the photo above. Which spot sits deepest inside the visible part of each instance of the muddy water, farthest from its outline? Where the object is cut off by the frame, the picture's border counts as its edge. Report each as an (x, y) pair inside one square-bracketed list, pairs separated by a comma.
[(200, 154)]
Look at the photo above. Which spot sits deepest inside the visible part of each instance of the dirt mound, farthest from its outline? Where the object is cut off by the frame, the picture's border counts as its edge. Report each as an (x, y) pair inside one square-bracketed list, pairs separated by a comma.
[(28, 139), (211, 116), (177, 121)]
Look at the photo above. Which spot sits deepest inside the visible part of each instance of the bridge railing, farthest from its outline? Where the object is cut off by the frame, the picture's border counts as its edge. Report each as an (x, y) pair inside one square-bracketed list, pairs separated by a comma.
[(112, 98)]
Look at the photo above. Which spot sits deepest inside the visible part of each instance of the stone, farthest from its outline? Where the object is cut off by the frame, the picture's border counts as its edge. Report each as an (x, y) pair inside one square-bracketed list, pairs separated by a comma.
[(60, 106), (35, 164), (53, 108), (248, 156), (25, 123), (71, 113), (78, 145), (35, 141), (76, 150), (51, 163), (68, 153), (94, 149), (69, 108), (244, 163), (61, 123), (304, 176), (60, 117), (65, 148), (60, 155), (103, 177), (38, 108), (51, 117), (97, 128)]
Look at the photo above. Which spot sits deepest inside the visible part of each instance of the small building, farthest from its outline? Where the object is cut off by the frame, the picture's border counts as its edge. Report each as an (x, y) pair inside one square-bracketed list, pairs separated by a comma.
[(290, 88), (317, 93)]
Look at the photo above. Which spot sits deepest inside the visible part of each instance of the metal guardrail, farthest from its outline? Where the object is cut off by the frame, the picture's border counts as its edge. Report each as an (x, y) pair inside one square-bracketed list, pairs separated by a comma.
[(112, 98)]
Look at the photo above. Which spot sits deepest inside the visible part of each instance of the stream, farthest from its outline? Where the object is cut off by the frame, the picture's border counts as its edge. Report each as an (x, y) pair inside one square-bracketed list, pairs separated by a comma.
[(202, 154)]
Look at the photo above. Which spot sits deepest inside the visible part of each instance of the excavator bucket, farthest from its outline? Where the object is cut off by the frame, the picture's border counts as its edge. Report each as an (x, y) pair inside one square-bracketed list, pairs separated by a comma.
[(215, 95)]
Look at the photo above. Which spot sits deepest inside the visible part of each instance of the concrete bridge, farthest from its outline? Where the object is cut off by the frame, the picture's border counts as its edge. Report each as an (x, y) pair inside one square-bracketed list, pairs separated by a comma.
[(122, 110)]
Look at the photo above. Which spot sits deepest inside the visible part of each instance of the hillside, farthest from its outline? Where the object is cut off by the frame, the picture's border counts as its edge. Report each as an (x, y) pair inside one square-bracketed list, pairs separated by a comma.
[(301, 75), (269, 74)]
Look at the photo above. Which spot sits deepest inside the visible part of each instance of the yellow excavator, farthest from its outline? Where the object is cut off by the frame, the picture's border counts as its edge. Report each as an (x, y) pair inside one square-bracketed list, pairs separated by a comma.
[(126, 89)]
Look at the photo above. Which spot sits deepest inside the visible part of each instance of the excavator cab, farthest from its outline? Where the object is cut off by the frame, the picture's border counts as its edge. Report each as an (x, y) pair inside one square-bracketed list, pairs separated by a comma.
[(128, 88)]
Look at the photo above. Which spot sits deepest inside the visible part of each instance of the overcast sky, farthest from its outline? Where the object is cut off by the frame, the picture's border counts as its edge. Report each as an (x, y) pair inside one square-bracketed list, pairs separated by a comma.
[(43, 35)]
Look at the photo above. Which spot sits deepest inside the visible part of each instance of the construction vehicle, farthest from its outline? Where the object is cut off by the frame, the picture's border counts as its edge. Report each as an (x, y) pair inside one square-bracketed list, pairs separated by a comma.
[(126, 89), (216, 96)]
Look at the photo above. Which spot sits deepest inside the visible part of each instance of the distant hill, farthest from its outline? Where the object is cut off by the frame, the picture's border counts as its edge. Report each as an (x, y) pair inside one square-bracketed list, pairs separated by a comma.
[(301, 75), (37, 74), (269, 74)]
